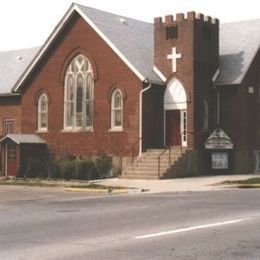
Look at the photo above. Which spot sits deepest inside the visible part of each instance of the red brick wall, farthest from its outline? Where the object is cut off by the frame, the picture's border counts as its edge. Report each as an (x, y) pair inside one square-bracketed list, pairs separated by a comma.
[(10, 109), (110, 71)]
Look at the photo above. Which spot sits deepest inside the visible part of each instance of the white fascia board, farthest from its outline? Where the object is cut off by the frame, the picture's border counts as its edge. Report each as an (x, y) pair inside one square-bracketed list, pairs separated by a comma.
[(159, 74), (54, 34), (8, 137)]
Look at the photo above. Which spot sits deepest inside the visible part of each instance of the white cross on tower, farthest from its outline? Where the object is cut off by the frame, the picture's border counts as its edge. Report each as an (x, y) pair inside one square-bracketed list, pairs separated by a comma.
[(174, 56)]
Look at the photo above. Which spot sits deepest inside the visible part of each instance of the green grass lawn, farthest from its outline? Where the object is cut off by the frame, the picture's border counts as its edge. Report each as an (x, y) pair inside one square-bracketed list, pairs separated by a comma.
[(245, 182), (57, 183)]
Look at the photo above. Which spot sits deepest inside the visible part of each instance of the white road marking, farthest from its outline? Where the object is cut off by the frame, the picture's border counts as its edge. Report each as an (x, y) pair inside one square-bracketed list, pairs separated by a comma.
[(181, 230)]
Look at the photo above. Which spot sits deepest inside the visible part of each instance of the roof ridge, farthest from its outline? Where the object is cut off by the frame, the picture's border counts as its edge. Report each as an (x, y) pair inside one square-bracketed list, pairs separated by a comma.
[(111, 13)]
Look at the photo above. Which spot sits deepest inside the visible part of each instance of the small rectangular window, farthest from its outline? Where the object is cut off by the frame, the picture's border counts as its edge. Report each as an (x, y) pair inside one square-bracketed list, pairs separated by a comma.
[(8, 126), (171, 32), (11, 151)]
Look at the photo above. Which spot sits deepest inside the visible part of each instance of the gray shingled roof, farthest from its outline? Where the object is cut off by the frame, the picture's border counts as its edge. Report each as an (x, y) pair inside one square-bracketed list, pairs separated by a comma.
[(132, 37), (239, 43), (12, 65), (24, 139)]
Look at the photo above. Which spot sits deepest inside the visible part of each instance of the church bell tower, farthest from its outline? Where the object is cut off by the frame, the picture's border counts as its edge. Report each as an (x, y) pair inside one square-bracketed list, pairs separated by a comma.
[(186, 57)]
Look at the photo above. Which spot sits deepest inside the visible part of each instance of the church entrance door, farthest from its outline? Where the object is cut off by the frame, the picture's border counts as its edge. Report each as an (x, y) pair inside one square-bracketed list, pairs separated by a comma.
[(173, 130), (176, 127), (175, 116)]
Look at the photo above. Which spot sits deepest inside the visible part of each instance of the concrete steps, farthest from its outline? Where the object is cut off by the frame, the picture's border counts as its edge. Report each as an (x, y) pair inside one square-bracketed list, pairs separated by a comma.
[(146, 165)]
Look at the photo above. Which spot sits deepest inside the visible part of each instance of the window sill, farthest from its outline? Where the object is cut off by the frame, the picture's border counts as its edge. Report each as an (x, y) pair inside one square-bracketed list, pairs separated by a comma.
[(77, 130), (42, 131), (115, 130)]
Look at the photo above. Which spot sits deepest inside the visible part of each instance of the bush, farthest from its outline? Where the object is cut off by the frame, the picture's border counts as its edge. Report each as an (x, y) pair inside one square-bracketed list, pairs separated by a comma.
[(103, 165), (85, 170), (54, 169), (67, 169), (36, 168), (22, 170)]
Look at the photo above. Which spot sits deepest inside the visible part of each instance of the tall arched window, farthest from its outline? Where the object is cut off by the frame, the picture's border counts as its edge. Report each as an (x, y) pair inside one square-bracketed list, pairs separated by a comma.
[(78, 96), (42, 112), (116, 110)]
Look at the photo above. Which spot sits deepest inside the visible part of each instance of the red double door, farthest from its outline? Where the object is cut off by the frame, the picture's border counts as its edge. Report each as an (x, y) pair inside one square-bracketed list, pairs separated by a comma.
[(173, 127), (176, 127)]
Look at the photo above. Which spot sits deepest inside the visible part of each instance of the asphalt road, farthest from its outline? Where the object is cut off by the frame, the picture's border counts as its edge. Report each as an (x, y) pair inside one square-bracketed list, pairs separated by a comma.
[(46, 223)]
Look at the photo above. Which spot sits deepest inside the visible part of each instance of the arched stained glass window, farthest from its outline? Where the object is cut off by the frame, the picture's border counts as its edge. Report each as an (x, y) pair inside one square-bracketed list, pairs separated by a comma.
[(78, 96)]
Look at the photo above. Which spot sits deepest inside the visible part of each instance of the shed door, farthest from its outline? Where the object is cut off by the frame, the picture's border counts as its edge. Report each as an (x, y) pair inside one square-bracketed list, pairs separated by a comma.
[(11, 159)]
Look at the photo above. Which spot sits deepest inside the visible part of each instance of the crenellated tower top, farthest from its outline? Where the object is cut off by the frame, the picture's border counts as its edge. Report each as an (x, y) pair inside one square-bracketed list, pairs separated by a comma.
[(190, 16)]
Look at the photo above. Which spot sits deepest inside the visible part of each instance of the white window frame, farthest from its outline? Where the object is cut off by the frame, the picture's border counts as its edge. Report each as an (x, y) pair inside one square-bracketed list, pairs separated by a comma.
[(114, 127), (40, 113), (8, 126), (84, 69), (184, 127)]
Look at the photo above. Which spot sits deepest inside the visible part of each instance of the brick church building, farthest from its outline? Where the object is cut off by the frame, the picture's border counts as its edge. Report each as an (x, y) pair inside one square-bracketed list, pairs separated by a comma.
[(178, 97)]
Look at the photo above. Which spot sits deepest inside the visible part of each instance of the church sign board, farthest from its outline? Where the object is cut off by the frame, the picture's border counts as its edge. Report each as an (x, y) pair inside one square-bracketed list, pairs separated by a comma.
[(219, 160), (219, 142)]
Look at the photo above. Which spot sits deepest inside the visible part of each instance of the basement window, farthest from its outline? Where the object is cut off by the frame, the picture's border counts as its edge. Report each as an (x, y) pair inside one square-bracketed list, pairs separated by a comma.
[(171, 32)]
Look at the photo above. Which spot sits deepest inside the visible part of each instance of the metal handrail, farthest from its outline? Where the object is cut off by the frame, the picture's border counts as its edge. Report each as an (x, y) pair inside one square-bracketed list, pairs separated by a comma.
[(132, 148), (159, 158), (168, 149)]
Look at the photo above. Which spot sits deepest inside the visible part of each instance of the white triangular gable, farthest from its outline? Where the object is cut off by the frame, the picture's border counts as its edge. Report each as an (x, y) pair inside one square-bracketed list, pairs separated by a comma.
[(73, 8), (175, 96)]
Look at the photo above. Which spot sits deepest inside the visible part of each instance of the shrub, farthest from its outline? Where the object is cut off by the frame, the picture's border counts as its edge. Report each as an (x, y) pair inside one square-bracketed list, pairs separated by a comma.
[(22, 170), (67, 168), (54, 169), (103, 165), (85, 170), (36, 168)]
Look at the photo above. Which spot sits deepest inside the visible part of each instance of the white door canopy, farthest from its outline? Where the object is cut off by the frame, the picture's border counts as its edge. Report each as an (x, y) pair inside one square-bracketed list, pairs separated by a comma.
[(175, 96)]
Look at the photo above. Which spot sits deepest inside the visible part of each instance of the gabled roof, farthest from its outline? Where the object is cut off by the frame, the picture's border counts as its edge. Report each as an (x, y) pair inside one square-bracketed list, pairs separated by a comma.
[(23, 139), (239, 43), (12, 65), (133, 38), (133, 42), (130, 39)]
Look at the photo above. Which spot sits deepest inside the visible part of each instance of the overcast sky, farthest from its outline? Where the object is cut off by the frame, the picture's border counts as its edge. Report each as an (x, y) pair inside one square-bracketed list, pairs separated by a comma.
[(27, 23)]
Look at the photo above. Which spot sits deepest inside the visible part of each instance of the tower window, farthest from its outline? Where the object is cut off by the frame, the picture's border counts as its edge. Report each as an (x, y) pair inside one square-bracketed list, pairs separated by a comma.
[(171, 32)]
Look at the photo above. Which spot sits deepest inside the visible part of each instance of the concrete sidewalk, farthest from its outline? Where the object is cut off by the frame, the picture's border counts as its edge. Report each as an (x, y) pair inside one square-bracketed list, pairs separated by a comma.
[(205, 183)]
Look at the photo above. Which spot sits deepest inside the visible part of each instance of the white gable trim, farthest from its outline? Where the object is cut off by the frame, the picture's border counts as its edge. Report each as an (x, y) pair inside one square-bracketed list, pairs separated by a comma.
[(159, 73), (54, 34)]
